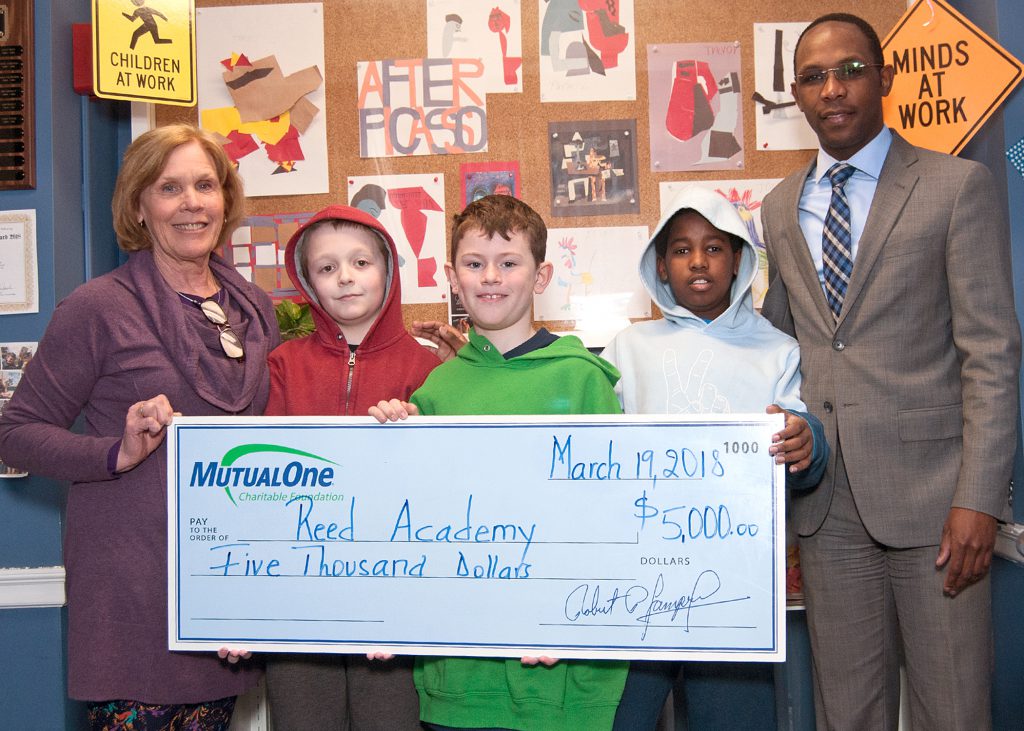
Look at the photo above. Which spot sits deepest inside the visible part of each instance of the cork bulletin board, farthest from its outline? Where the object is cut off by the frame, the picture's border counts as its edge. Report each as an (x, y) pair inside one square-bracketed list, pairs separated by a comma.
[(518, 123)]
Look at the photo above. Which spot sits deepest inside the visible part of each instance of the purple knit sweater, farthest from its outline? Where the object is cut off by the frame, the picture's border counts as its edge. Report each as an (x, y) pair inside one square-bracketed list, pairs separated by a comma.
[(116, 340)]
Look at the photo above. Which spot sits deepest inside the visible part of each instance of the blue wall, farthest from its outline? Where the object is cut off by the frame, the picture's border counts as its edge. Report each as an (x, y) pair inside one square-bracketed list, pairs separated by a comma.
[(1010, 23), (73, 237), (1003, 19)]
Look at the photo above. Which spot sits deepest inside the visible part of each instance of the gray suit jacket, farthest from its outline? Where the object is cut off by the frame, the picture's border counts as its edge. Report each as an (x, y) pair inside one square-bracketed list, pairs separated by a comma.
[(918, 378)]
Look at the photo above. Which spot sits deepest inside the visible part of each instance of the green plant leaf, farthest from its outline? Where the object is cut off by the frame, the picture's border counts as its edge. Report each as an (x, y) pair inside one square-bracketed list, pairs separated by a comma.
[(294, 320)]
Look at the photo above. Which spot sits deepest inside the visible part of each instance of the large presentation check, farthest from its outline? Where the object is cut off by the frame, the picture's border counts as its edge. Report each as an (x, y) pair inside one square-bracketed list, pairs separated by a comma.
[(574, 537)]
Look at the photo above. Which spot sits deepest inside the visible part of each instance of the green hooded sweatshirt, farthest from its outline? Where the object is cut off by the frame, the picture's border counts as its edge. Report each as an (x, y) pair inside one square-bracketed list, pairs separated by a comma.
[(561, 378)]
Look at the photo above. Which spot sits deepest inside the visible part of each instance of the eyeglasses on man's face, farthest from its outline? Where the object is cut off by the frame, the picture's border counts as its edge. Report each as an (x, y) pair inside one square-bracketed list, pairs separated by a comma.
[(229, 342), (849, 71)]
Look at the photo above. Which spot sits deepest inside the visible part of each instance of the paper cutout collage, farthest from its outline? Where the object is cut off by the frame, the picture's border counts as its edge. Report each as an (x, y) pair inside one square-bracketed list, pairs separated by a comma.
[(696, 118), (262, 93)]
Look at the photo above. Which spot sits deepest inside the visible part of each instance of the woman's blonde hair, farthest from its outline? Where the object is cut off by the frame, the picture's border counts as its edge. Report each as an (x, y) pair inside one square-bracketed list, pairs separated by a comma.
[(143, 162)]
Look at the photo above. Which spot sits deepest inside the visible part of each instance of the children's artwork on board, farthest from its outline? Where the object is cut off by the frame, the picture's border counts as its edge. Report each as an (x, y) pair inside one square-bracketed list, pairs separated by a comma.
[(421, 106), (780, 125), (695, 113), (489, 31), (257, 249), (261, 91), (411, 208), (489, 178), (746, 196), (14, 357), (595, 281), (593, 168), (587, 50)]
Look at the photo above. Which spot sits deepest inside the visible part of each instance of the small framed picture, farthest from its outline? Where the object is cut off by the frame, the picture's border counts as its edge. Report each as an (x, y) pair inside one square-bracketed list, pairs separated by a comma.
[(593, 168)]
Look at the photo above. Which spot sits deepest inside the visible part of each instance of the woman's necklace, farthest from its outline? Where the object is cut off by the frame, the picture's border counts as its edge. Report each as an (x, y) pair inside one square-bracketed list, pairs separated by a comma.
[(217, 297)]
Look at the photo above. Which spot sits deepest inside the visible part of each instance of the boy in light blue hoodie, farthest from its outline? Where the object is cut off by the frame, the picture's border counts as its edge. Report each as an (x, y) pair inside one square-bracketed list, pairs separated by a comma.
[(711, 353)]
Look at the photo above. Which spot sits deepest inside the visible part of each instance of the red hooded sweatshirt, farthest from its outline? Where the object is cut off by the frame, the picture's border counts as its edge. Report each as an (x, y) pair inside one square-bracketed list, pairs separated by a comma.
[(318, 375)]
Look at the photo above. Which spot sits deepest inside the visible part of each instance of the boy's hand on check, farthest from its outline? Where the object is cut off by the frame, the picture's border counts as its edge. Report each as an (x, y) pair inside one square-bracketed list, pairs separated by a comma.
[(393, 410), (379, 656), (233, 656), (793, 445), (542, 660)]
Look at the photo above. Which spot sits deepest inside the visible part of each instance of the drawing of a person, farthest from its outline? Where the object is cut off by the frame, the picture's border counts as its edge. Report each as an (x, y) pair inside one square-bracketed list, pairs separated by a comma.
[(564, 17), (596, 166), (372, 199), (499, 22), (452, 25), (148, 23)]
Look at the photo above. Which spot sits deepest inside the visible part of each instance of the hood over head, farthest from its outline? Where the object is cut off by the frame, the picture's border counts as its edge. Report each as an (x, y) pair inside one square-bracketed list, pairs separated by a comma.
[(390, 316), (722, 215)]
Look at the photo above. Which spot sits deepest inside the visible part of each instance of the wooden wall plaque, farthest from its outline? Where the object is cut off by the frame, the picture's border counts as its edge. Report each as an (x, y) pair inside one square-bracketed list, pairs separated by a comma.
[(17, 95)]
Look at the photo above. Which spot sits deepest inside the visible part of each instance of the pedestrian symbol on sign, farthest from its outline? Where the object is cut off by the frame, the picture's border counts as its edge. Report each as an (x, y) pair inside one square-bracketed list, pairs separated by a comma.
[(148, 23)]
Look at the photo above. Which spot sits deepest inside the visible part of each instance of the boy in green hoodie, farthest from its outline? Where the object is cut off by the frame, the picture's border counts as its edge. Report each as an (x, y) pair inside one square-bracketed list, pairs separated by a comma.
[(498, 244)]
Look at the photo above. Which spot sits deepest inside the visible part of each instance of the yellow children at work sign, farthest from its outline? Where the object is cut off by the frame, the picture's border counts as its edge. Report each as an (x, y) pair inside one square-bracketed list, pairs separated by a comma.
[(949, 79), (144, 50)]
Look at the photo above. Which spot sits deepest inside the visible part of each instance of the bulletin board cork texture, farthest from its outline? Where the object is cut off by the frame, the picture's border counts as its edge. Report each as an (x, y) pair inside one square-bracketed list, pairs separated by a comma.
[(519, 124)]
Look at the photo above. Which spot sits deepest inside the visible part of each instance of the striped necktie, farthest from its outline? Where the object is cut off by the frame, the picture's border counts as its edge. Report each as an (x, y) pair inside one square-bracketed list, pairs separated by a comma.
[(836, 239)]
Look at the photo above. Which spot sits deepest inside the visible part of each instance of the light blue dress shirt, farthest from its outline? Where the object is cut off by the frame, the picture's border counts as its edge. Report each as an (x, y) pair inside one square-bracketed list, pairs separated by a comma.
[(860, 190)]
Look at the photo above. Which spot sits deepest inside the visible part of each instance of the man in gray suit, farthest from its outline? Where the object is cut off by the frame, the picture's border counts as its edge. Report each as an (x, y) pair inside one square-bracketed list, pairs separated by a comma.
[(910, 353)]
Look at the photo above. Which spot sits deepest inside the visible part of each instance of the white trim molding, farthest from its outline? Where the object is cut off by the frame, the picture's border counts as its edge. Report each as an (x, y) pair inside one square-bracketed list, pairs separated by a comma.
[(43, 587), (143, 118), (32, 587), (251, 711)]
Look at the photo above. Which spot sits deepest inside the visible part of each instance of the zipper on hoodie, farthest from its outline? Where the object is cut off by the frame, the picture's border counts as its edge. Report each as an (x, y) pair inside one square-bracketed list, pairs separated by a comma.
[(351, 370)]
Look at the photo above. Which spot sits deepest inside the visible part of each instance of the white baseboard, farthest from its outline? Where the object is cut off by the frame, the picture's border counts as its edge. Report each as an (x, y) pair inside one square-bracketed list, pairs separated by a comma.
[(34, 587), (251, 713)]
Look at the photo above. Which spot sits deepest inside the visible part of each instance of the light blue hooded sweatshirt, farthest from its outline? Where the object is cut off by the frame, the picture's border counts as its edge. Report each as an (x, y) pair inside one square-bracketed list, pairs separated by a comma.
[(737, 362)]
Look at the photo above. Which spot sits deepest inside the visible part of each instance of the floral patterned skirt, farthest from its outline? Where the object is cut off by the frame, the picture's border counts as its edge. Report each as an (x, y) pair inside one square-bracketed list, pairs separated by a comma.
[(136, 716)]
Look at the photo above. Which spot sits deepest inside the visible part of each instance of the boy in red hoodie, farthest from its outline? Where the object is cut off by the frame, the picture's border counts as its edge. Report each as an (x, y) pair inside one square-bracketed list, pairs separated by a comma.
[(345, 263)]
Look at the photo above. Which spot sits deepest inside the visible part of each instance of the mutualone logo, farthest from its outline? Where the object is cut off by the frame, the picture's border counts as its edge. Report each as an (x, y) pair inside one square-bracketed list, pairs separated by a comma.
[(227, 474)]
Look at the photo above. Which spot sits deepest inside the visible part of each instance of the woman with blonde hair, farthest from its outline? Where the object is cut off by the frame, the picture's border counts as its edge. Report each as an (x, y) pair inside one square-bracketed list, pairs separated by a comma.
[(175, 329)]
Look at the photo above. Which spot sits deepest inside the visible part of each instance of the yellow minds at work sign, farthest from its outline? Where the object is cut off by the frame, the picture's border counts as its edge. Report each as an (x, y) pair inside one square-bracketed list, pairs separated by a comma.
[(950, 77), (144, 50)]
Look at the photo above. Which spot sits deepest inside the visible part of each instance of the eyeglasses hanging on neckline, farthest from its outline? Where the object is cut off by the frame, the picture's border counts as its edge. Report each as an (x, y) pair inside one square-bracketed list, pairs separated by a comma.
[(229, 342)]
